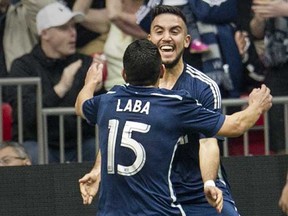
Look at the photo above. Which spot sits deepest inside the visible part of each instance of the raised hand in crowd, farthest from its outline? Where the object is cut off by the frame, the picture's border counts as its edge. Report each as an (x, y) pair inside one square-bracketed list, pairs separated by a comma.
[(67, 78)]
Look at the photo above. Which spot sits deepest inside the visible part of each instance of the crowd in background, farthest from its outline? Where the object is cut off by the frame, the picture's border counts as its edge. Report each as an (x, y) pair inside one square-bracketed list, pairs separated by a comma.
[(239, 44), (227, 48)]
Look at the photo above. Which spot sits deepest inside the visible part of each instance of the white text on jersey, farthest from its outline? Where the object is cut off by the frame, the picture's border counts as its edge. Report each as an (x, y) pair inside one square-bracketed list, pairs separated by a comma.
[(133, 106)]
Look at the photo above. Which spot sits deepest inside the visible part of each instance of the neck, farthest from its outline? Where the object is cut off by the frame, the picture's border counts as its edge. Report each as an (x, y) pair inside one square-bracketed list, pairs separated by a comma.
[(171, 76)]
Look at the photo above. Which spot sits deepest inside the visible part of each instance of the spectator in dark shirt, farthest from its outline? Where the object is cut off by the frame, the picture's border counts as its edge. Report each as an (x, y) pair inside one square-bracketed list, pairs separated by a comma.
[(62, 72)]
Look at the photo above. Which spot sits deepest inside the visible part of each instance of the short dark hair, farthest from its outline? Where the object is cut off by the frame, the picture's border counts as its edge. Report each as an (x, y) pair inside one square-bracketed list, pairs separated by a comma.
[(142, 63), (167, 9)]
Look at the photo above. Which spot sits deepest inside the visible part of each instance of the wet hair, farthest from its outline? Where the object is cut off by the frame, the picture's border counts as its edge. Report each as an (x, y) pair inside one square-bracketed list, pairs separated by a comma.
[(167, 9), (142, 63)]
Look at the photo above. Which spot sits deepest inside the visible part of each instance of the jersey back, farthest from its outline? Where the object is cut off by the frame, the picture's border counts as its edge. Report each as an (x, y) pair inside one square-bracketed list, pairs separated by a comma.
[(139, 131)]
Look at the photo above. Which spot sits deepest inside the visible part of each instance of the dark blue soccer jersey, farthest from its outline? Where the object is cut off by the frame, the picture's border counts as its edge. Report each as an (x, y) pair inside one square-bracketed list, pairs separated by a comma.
[(186, 175), (139, 131)]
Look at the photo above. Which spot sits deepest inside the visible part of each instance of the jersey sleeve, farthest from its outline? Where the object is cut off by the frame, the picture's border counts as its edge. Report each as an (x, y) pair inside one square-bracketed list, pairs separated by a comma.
[(210, 98), (199, 119)]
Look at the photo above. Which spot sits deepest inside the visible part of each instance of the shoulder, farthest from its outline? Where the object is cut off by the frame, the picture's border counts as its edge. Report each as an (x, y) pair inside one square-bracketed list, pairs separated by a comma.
[(23, 65), (199, 76)]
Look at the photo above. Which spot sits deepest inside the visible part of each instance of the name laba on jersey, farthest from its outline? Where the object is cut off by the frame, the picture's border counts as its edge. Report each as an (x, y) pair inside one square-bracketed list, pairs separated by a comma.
[(136, 106)]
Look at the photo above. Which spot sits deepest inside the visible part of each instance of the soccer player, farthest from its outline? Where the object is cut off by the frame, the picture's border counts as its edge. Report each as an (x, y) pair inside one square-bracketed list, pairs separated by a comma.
[(202, 164), (140, 126)]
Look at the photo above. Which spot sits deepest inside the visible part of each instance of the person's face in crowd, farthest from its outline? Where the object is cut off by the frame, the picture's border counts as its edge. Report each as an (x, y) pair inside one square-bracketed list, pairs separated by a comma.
[(169, 33), (61, 40), (9, 157)]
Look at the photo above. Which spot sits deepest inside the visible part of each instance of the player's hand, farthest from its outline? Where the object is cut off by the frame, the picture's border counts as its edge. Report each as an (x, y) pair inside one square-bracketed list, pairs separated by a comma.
[(214, 197), (89, 185), (262, 97), (94, 76), (283, 202)]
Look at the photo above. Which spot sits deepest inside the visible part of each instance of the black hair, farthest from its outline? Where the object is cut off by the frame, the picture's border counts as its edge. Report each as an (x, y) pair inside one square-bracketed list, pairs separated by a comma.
[(142, 63), (167, 9)]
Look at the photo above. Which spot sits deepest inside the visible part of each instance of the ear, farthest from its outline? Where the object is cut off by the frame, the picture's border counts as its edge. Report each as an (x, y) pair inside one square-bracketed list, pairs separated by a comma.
[(45, 34), (123, 73), (187, 41), (162, 71), (149, 37)]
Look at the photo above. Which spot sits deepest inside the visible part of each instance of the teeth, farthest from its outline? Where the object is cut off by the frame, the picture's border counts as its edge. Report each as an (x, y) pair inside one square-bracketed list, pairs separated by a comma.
[(166, 48)]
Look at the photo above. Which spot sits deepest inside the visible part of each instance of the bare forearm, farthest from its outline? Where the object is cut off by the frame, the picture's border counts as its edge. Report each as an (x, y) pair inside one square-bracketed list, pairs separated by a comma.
[(257, 26), (209, 158), (127, 23), (86, 93), (97, 20), (82, 5), (239, 122), (97, 165)]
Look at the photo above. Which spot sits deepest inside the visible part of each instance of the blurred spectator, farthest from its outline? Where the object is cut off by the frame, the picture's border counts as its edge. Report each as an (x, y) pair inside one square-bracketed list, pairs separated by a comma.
[(270, 22), (92, 31), (216, 24), (62, 72), (13, 154), (122, 32), (4, 4), (254, 70), (19, 30)]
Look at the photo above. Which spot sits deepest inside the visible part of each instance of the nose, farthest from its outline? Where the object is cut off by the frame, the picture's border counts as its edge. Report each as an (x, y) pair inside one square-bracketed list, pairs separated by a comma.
[(166, 36)]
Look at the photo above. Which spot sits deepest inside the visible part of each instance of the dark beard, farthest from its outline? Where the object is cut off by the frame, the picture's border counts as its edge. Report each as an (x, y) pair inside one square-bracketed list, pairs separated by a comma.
[(175, 62)]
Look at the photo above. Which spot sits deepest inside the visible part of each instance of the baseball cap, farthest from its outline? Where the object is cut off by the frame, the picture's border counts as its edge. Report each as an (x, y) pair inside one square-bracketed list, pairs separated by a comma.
[(55, 14)]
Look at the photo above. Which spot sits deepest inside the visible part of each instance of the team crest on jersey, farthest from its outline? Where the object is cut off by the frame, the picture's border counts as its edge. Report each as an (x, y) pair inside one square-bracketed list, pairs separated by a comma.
[(214, 2)]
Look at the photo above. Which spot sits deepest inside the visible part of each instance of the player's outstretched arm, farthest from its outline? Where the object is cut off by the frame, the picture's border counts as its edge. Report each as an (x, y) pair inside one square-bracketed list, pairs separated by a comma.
[(89, 183), (93, 82), (260, 101)]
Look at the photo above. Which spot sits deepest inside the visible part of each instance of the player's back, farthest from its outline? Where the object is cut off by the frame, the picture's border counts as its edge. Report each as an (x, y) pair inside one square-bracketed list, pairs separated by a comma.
[(139, 132)]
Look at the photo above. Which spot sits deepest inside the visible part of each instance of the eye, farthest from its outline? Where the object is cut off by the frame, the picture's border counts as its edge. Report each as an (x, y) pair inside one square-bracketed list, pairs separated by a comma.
[(6, 160)]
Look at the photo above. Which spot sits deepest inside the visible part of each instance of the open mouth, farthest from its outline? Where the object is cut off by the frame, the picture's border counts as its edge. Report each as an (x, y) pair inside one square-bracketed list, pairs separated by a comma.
[(167, 48)]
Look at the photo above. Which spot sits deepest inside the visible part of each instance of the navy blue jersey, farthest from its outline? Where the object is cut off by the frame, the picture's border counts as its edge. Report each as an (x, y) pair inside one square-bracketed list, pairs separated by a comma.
[(186, 175), (139, 132)]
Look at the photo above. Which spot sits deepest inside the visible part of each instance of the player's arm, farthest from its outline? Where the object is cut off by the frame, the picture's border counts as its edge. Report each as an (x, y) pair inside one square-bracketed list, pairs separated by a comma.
[(209, 149), (93, 82), (89, 183), (238, 123), (283, 202)]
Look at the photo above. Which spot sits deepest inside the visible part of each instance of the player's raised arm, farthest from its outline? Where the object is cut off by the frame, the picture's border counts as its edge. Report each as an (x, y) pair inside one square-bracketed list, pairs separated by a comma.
[(260, 101), (93, 82)]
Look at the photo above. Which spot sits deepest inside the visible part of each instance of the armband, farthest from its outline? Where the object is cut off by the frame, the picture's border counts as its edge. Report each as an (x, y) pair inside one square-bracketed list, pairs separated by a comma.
[(209, 183)]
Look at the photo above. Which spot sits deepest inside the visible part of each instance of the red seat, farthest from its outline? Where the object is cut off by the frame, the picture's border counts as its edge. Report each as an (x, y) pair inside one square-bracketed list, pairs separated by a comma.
[(7, 121)]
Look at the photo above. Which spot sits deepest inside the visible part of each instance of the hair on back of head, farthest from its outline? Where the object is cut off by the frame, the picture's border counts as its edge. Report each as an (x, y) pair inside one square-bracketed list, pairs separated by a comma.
[(142, 63)]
